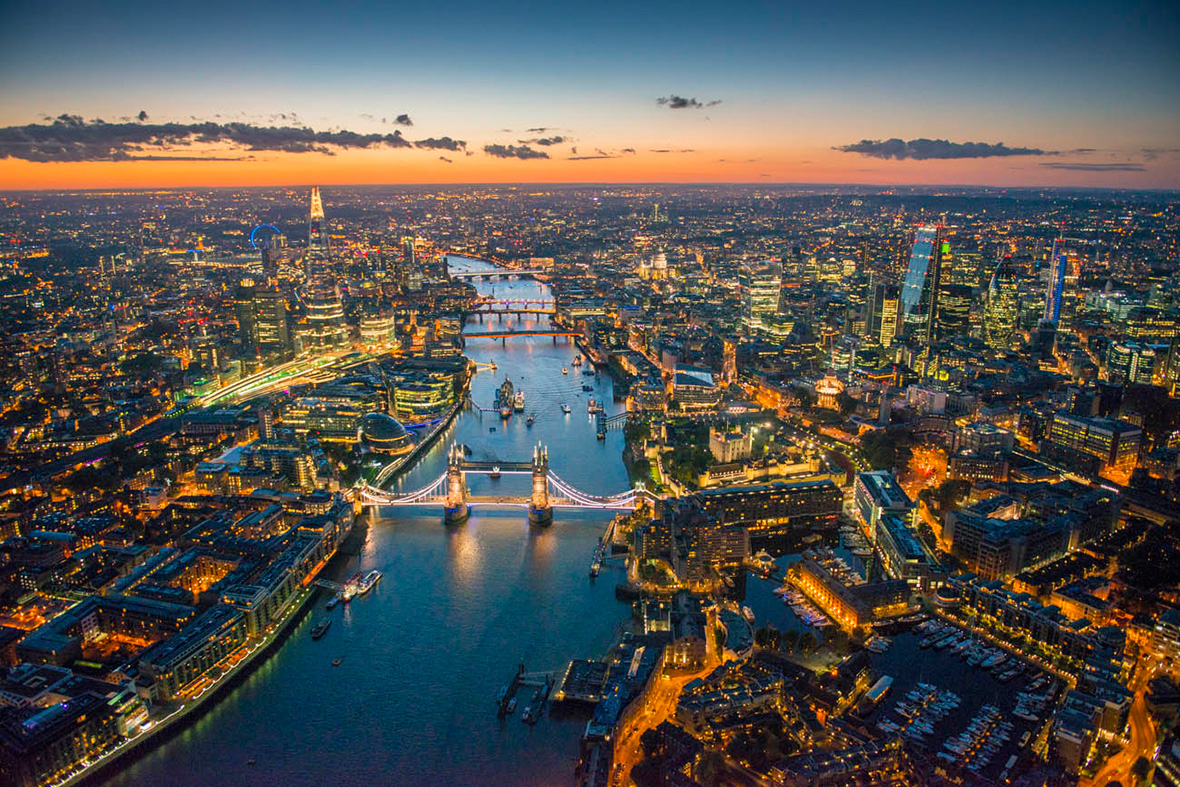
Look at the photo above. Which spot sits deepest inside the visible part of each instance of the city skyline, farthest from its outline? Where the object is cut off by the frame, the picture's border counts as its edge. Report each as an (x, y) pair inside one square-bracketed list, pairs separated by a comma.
[(913, 95)]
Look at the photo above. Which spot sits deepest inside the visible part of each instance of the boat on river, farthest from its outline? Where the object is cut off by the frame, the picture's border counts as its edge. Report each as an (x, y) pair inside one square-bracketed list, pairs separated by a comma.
[(565, 408), (320, 628), (371, 579)]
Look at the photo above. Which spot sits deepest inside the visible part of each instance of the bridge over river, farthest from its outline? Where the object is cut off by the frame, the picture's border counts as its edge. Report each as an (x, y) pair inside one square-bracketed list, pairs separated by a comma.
[(548, 490)]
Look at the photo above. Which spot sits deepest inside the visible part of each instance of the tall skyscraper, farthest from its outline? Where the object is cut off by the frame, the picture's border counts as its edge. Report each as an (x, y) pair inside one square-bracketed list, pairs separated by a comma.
[(920, 288), (761, 284), (1002, 310), (262, 321), (883, 312), (325, 329), (1061, 290), (954, 311)]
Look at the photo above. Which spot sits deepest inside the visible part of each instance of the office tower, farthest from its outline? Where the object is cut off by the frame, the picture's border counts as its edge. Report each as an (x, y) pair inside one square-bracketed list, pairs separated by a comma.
[(262, 320), (1063, 271), (325, 329), (920, 288), (1061, 292), (1001, 311), (244, 311), (411, 270), (270, 321), (1131, 363), (954, 311), (883, 318), (760, 283)]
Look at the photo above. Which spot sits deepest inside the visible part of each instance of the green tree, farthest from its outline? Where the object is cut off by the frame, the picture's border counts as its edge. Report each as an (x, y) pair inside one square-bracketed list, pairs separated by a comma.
[(790, 639), (710, 768), (1141, 768)]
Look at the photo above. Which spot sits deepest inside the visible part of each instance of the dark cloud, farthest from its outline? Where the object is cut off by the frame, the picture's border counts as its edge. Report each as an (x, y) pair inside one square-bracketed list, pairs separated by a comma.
[(923, 149), (142, 116), (669, 150), (680, 102), (546, 141), (538, 130), (403, 120), (444, 158), (1151, 154), (441, 143), (70, 138), (1080, 167), (514, 151), (628, 150), (588, 158)]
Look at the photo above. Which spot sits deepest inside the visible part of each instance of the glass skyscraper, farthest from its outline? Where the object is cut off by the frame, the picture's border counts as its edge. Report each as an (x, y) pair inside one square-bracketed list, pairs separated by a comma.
[(325, 328), (1061, 290), (919, 288), (760, 283)]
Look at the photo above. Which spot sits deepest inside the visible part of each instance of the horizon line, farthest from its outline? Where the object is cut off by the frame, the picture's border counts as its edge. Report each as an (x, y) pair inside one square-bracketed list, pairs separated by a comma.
[(604, 184)]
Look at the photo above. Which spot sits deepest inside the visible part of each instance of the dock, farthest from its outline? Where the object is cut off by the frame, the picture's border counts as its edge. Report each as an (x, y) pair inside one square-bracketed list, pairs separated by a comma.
[(540, 682)]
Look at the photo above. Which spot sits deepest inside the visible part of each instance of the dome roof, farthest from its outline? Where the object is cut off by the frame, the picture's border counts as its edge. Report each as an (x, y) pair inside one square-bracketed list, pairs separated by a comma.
[(381, 426)]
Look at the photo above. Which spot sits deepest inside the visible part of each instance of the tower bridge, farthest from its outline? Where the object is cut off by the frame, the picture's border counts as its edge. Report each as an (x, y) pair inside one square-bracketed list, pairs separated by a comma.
[(548, 490)]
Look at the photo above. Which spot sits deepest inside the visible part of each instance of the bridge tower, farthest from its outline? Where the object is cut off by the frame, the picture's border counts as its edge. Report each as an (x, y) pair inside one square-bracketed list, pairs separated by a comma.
[(540, 511), (456, 510)]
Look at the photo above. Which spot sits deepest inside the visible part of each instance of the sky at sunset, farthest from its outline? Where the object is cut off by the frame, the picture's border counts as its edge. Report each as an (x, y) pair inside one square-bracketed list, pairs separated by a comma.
[(219, 93)]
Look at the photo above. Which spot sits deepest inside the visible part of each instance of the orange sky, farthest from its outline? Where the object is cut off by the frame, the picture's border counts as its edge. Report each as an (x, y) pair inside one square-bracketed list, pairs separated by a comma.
[(403, 166)]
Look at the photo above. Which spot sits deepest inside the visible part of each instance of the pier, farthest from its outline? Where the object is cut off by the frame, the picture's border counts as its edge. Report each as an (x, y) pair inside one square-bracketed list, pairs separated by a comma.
[(540, 682)]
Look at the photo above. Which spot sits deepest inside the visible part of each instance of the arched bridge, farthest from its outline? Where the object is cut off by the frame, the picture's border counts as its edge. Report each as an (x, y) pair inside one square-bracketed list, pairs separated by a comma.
[(512, 306), (548, 491), (554, 332), (499, 273)]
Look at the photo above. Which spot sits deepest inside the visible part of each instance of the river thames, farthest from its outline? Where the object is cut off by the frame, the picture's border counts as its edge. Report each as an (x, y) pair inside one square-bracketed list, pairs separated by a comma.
[(424, 655)]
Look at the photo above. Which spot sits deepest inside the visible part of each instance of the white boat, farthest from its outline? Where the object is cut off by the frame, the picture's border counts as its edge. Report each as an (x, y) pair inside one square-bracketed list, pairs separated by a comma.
[(565, 408), (564, 370), (518, 402)]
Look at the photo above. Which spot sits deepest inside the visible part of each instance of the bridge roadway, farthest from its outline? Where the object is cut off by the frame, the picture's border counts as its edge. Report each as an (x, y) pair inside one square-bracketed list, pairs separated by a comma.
[(499, 273), (513, 334)]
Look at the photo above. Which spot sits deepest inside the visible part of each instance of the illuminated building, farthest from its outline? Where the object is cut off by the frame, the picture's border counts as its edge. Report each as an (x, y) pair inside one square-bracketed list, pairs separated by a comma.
[(876, 493), (384, 435), (1061, 291), (694, 389), (1131, 363), (954, 311), (922, 283), (1092, 443), (422, 396), (760, 284), (728, 445), (847, 598), (998, 548), (778, 508), (827, 392), (43, 745), (1001, 310), (262, 320), (325, 328), (883, 313), (902, 553)]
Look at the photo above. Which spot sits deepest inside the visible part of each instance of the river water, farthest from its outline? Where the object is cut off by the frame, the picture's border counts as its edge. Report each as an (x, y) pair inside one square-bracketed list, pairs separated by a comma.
[(424, 654)]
